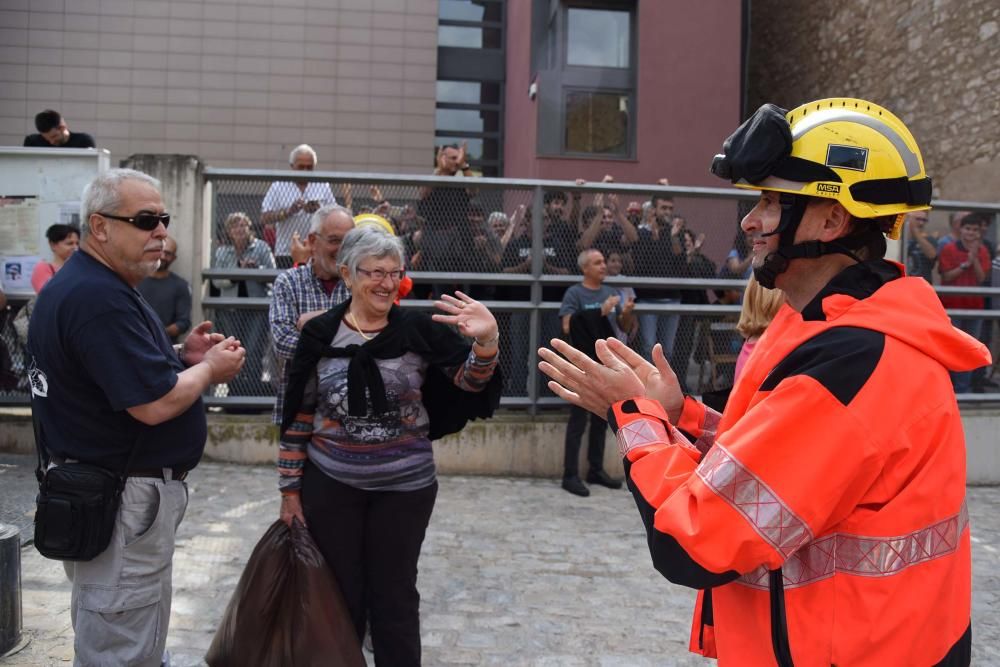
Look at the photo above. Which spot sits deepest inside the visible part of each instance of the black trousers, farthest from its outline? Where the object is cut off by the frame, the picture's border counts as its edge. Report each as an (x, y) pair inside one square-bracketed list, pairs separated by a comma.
[(574, 435), (371, 540)]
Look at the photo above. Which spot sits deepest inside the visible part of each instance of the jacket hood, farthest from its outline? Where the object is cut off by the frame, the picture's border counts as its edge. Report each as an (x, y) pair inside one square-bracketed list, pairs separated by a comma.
[(909, 310)]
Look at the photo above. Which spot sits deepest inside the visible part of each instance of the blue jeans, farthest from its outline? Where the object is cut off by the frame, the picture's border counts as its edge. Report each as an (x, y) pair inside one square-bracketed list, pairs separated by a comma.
[(659, 328), (962, 381)]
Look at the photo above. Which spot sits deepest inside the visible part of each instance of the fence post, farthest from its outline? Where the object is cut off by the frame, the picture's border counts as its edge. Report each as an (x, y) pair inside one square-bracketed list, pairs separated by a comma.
[(10, 587), (535, 319)]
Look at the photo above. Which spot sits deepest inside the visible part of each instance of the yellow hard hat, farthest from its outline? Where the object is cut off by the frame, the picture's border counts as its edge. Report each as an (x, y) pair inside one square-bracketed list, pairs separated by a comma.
[(845, 149), (363, 219)]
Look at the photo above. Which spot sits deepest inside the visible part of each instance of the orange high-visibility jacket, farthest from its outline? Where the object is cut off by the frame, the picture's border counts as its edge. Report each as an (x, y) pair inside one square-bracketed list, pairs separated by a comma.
[(825, 509)]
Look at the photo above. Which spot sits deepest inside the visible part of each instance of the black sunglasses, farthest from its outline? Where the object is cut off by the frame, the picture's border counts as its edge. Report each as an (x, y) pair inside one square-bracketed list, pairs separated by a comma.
[(147, 222)]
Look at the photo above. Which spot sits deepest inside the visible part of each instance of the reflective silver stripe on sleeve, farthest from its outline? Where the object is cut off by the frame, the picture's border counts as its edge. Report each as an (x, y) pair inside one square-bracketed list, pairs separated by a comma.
[(866, 556), (641, 432), (770, 517)]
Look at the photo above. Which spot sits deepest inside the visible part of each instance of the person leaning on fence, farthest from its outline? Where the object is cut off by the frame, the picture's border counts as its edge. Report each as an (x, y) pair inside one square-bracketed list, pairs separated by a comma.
[(106, 380), (445, 209), (693, 264), (657, 253), (965, 262), (921, 249), (240, 249), (54, 133), (307, 291), (288, 205), (823, 514), (371, 385)]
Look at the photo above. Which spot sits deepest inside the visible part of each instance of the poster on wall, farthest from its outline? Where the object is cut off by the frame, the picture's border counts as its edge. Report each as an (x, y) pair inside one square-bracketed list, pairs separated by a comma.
[(17, 270), (19, 225), (19, 219)]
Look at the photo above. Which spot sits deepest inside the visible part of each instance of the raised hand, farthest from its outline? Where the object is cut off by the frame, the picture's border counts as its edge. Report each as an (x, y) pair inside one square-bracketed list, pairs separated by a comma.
[(609, 304), (301, 252), (472, 318)]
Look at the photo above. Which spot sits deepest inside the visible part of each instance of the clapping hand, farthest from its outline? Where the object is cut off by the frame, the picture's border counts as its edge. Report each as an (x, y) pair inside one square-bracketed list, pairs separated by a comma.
[(198, 342), (589, 384), (609, 304)]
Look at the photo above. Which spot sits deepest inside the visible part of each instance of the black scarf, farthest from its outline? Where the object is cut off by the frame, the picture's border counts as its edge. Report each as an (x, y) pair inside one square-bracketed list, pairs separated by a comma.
[(449, 408)]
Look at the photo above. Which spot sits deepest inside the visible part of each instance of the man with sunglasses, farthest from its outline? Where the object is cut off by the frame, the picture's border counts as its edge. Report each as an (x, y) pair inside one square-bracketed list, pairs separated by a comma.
[(110, 390)]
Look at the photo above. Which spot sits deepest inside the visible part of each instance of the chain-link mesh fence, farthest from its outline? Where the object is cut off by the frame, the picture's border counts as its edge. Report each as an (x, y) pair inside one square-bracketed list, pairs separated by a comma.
[(513, 244)]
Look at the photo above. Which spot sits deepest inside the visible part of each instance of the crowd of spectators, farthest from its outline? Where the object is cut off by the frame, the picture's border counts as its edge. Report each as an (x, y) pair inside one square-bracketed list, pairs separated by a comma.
[(962, 257), (464, 229)]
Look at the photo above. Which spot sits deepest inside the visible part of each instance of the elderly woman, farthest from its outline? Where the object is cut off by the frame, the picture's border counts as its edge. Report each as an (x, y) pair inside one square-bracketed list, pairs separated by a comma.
[(370, 386), (241, 250)]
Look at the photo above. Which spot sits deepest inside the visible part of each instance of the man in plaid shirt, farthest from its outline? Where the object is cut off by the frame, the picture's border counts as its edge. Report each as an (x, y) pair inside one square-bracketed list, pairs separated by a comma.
[(303, 292)]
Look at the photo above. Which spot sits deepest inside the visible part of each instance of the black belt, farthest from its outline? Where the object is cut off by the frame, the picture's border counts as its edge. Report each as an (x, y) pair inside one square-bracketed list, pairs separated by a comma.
[(157, 473)]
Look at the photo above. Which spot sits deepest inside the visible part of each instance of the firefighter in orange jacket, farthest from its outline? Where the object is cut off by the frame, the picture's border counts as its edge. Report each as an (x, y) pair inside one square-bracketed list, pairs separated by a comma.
[(822, 515)]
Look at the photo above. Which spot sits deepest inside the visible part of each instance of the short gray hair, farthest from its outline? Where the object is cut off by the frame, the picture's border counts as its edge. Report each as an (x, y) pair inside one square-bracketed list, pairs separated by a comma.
[(368, 241), (324, 212), (581, 259), (298, 150), (102, 194)]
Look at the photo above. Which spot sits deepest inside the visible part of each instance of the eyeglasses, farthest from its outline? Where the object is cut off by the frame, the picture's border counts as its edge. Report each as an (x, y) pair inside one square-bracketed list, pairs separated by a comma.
[(147, 222), (378, 275)]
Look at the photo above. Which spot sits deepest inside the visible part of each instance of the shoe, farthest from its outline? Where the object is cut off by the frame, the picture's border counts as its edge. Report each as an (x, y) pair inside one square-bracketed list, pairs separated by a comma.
[(604, 479), (575, 486)]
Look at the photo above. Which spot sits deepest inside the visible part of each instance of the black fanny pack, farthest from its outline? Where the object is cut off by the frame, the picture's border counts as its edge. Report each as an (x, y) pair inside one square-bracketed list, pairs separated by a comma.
[(77, 507)]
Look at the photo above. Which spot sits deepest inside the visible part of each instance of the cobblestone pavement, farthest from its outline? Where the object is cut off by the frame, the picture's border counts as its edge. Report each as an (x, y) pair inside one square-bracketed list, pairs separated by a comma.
[(513, 572)]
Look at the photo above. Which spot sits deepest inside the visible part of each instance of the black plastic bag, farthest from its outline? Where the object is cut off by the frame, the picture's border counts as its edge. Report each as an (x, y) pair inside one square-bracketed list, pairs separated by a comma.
[(287, 610)]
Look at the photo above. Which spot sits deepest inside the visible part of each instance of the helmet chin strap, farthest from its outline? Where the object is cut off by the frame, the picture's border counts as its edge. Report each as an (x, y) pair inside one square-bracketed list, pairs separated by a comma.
[(792, 209), (776, 263)]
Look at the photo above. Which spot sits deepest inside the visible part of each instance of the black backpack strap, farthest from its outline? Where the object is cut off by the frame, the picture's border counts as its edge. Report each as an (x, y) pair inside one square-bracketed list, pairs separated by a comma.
[(779, 622), (43, 456)]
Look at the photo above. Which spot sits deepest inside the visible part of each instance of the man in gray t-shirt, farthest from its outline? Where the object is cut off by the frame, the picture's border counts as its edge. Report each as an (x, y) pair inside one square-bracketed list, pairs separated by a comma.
[(591, 294)]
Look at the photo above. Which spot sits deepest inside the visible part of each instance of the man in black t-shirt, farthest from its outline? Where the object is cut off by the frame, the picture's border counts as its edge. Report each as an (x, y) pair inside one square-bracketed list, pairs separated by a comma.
[(54, 133), (444, 210), (658, 254), (109, 389)]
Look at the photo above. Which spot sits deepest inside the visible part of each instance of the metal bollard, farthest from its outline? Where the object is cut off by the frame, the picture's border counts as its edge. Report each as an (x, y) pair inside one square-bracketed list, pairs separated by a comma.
[(10, 587)]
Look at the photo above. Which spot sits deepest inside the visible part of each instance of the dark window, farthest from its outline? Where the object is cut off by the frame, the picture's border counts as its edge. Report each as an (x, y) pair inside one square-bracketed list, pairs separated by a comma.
[(468, 120), (584, 52), (596, 123), (468, 92), (468, 37)]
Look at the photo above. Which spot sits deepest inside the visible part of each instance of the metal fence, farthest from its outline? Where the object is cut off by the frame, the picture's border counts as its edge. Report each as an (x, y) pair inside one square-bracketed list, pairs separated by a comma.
[(513, 244)]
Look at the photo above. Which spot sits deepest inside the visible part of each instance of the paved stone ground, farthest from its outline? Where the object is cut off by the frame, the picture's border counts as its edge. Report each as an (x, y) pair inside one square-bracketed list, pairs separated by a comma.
[(513, 572)]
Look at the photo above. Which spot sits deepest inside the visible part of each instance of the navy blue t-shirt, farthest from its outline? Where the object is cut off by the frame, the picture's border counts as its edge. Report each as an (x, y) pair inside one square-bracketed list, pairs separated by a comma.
[(98, 349)]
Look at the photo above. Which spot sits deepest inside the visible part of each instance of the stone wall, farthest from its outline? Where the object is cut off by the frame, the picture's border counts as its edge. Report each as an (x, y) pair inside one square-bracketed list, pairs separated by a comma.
[(934, 63)]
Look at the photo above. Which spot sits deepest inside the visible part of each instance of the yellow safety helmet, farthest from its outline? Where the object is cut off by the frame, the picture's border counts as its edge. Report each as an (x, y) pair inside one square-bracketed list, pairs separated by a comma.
[(845, 149), (363, 219)]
